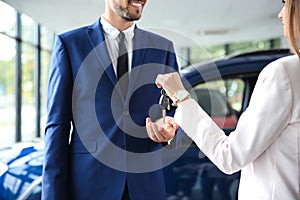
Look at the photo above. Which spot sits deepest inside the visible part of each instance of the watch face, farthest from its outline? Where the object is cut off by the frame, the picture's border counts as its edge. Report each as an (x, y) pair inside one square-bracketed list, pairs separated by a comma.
[(181, 94)]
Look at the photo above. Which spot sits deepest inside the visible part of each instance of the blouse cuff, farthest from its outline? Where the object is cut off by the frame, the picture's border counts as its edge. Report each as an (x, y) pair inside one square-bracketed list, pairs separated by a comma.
[(187, 116)]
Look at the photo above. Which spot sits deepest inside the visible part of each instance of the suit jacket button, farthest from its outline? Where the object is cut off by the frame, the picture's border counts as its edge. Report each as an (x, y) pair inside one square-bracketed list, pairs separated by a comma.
[(126, 113)]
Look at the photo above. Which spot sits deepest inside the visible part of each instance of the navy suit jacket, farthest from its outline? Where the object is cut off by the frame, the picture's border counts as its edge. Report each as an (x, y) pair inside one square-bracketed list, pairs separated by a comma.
[(95, 139)]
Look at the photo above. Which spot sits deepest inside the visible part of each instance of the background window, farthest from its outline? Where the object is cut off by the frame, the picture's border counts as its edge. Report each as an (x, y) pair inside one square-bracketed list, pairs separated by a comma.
[(28, 94), (8, 19), (44, 87), (29, 33), (47, 38), (7, 91)]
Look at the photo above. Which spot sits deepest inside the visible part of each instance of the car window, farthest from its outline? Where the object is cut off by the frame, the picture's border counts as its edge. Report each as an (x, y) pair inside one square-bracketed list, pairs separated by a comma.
[(221, 99)]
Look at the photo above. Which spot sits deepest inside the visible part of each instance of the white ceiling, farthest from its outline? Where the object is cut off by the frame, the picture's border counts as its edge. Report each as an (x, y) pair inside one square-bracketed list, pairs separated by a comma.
[(187, 23)]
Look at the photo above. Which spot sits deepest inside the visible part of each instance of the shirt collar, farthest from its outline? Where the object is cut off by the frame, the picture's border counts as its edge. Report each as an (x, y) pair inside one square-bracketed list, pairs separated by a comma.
[(113, 32)]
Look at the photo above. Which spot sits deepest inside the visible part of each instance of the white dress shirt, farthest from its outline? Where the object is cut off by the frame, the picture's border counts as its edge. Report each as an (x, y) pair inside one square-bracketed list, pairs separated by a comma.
[(266, 143), (111, 39)]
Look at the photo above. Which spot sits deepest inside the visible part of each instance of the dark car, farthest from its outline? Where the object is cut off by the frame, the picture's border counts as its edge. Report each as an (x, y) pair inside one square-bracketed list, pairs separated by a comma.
[(214, 103), (223, 88)]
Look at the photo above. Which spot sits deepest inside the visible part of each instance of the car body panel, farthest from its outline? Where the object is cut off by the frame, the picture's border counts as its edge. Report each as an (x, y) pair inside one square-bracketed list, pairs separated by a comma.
[(21, 171)]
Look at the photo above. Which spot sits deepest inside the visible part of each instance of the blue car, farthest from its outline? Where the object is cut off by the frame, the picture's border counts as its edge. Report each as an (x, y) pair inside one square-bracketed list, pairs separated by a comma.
[(222, 87), (21, 172)]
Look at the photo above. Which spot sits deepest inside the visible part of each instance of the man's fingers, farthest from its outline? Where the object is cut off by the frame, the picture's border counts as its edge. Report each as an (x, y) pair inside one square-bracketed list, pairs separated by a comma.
[(158, 133), (152, 129)]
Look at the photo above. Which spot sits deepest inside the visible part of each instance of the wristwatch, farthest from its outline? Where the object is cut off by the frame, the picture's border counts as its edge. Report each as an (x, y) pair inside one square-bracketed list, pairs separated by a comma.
[(179, 96)]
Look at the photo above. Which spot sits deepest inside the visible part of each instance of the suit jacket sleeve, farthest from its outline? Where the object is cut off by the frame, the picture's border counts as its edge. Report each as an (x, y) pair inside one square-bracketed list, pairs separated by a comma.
[(59, 108), (258, 127)]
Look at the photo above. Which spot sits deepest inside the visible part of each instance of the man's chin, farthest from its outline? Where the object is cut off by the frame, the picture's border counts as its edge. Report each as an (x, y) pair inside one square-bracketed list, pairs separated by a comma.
[(132, 18)]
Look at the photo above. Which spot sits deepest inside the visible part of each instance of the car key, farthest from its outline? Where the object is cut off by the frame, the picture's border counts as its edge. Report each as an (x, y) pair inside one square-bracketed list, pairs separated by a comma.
[(164, 103)]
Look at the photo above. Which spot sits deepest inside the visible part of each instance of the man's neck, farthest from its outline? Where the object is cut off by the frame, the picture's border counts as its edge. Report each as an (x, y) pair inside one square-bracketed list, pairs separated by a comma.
[(117, 21)]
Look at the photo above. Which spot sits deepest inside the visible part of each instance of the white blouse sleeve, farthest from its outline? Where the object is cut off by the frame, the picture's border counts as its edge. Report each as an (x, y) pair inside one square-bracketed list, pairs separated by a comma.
[(258, 127)]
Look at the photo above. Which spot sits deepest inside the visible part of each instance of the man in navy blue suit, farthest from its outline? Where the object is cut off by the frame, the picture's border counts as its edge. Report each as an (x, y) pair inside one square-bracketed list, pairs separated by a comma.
[(96, 144)]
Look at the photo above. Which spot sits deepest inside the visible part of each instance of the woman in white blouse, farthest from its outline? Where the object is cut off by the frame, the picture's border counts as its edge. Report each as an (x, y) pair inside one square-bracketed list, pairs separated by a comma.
[(266, 143)]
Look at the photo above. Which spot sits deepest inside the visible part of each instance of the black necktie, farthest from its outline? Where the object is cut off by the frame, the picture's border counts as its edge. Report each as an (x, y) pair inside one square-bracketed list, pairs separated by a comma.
[(122, 66)]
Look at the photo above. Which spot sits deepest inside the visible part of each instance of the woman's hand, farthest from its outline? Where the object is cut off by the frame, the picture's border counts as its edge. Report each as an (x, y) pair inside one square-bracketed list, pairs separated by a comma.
[(171, 83), (162, 130)]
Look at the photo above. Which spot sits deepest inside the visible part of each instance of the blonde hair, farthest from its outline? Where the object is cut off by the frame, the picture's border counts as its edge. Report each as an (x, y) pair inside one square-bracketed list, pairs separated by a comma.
[(293, 24)]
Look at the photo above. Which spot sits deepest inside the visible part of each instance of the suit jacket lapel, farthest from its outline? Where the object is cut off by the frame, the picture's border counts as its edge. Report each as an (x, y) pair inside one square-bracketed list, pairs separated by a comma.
[(139, 49), (97, 40)]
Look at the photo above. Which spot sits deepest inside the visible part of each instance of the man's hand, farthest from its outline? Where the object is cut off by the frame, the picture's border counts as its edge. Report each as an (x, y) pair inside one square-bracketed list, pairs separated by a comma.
[(162, 130)]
